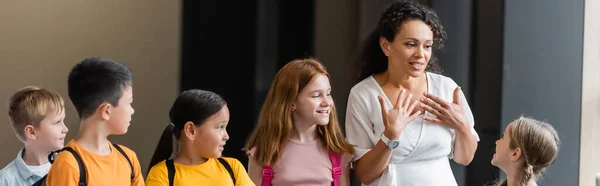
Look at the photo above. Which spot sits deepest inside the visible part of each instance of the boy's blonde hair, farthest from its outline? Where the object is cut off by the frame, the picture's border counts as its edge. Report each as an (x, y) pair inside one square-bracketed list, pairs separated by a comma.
[(30, 105)]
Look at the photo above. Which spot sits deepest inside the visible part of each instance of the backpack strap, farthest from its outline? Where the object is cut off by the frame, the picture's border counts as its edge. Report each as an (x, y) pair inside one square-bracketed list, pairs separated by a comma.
[(336, 170), (267, 175), (170, 171), (226, 165), (51, 158), (126, 157), (82, 173)]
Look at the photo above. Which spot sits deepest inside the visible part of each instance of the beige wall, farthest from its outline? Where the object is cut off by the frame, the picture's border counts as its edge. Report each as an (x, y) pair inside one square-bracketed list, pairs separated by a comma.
[(589, 162), (41, 40)]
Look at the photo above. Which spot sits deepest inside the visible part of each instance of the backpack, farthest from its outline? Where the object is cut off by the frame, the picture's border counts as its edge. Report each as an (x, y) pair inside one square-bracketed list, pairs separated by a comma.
[(82, 174), (336, 171), (171, 170)]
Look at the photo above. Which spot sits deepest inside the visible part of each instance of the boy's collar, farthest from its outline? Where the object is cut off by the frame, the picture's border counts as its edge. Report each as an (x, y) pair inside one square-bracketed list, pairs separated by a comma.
[(24, 172)]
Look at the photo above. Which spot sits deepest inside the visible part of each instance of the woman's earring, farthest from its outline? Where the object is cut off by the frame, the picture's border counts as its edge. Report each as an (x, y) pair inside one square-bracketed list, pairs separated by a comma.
[(293, 107)]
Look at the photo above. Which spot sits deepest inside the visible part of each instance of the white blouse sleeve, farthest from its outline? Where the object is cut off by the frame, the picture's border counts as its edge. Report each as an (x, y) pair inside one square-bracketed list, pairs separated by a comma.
[(468, 116), (359, 129)]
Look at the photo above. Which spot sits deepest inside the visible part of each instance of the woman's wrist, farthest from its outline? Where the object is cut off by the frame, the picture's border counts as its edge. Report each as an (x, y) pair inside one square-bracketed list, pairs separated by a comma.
[(392, 134)]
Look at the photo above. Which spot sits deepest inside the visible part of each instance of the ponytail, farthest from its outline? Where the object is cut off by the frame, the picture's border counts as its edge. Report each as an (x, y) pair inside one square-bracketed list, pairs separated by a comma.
[(165, 147), (527, 174)]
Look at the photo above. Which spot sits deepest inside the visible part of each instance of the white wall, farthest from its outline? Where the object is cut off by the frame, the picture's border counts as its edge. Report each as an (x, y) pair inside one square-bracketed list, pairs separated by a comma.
[(589, 162)]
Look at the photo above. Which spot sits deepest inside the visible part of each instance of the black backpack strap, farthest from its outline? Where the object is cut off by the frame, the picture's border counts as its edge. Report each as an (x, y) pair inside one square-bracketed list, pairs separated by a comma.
[(126, 157), (51, 158), (170, 171), (41, 182), (226, 165), (82, 174)]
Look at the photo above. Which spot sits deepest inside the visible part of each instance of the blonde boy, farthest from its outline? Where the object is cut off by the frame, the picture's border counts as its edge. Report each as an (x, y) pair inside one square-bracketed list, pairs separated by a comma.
[(37, 117)]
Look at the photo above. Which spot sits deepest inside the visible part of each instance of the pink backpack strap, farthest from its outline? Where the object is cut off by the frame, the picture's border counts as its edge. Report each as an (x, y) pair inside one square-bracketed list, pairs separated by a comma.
[(267, 175), (336, 170)]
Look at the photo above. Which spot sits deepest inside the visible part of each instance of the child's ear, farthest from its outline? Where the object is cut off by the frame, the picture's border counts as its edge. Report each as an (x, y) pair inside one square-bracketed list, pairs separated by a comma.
[(104, 110), (516, 155), (190, 131), (29, 132)]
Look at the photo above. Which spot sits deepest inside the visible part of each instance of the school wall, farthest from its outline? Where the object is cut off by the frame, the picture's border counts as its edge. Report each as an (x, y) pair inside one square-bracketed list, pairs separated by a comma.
[(41, 40)]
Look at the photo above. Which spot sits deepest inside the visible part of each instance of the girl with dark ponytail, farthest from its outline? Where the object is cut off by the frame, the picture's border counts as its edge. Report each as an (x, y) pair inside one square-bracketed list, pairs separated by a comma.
[(189, 150)]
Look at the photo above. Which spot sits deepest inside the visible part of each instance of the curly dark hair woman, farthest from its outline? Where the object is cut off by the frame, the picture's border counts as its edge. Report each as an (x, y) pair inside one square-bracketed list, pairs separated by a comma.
[(372, 60), (398, 80)]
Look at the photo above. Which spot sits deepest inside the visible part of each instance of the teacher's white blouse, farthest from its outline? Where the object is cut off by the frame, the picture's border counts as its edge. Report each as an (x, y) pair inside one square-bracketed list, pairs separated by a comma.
[(422, 159)]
